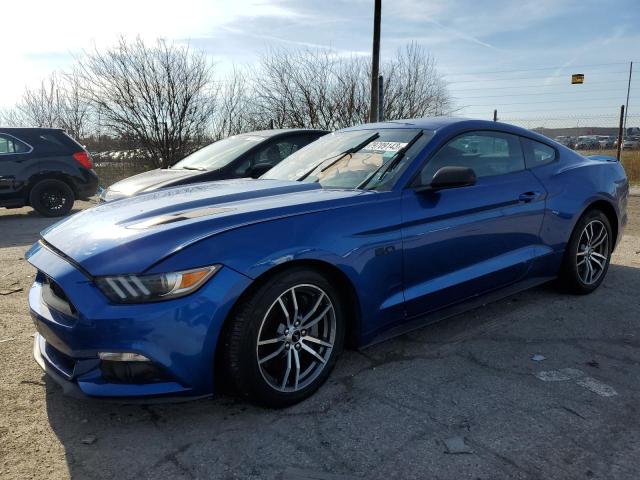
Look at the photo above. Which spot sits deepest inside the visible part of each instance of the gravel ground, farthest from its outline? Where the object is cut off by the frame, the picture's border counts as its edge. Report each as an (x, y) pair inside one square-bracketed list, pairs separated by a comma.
[(460, 399)]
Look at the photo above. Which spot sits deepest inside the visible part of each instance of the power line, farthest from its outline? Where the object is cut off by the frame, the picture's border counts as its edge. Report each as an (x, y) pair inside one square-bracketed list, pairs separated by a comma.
[(554, 111), (539, 93), (568, 85), (498, 104), (559, 67), (477, 80)]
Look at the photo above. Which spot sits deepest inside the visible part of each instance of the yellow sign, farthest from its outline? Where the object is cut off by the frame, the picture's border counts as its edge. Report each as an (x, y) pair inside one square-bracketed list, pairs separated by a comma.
[(577, 78)]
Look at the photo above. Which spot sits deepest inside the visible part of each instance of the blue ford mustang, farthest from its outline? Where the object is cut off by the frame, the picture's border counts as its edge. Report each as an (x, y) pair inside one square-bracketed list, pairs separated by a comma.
[(363, 234)]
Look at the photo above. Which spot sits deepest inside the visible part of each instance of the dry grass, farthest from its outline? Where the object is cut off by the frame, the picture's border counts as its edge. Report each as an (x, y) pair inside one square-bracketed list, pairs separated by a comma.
[(112, 173), (630, 160)]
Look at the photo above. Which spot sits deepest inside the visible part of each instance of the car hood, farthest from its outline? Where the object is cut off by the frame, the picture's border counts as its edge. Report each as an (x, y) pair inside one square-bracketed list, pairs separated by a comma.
[(133, 234), (150, 180)]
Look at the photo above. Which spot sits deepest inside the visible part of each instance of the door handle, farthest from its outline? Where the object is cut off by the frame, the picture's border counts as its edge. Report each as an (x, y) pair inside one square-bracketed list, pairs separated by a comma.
[(528, 196)]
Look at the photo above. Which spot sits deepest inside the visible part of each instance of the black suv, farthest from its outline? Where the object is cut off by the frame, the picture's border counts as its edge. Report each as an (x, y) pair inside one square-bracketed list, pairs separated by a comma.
[(44, 168)]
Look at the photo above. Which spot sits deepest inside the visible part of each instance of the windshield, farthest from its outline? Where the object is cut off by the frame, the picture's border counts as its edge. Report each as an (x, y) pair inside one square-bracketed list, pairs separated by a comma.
[(218, 154), (353, 159)]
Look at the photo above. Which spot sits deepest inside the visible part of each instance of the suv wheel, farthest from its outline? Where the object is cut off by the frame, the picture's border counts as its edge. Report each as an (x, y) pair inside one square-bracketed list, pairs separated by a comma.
[(51, 198)]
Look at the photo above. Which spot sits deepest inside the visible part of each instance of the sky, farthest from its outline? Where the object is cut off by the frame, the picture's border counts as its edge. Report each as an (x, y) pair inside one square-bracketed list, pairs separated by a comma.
[(513, 55)]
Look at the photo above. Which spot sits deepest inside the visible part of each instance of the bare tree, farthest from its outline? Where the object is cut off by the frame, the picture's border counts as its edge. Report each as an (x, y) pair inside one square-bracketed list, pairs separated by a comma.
[(413, 87), (233, 107), (56, 103), (161, 94), (162, 98), (76, 114), (12, 117), (319, 89), (40, 107)]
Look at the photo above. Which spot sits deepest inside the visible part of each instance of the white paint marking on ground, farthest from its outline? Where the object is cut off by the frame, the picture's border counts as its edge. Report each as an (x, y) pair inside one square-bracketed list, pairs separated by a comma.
[(561, 375), (595, 386), (566, 374)]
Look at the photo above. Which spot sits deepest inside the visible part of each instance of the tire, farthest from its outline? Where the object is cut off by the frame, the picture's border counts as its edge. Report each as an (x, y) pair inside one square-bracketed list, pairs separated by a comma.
[(259, 372), (51, 198), (587, 250)]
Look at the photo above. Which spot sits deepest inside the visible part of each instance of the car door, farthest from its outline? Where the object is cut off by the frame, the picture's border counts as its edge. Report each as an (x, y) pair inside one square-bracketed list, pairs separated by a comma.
[(462, 242), (16, 166)]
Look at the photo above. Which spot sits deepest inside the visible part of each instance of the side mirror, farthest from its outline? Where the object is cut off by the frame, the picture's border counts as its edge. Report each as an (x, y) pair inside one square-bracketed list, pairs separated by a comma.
[(451, 177), (259, 169)]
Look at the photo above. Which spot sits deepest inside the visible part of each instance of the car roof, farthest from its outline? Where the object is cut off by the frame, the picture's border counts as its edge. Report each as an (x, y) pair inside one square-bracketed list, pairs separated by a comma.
[(439, 123), (29, 129), (281, 131)]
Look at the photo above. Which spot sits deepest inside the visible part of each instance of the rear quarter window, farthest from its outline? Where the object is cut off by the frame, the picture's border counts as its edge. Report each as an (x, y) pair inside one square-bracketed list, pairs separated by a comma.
[(537, 153)]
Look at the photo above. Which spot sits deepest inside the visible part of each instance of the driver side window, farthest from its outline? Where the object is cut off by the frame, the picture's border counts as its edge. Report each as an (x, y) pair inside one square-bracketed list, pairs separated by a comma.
[(272, 154), (486, 152)]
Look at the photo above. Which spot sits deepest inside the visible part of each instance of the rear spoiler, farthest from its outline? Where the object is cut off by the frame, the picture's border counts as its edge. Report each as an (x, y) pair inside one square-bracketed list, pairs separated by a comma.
[(602, 158)]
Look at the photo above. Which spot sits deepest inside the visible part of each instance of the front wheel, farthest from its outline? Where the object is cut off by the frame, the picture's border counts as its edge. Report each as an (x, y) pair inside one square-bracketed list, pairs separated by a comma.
[(285, 338), (588, 253)]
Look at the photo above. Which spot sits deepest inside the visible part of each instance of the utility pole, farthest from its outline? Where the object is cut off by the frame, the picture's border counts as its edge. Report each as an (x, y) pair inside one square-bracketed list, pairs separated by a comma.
[(626, 107), (375, 61), (620, 134), (380, 99)]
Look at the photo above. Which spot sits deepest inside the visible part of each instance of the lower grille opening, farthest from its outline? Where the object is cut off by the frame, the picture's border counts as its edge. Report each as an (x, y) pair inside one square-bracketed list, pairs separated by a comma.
[(59, 360), (132, 372)]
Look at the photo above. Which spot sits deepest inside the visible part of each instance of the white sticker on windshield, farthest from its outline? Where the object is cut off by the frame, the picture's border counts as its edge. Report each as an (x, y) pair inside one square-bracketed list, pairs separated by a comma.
[(385, 146)]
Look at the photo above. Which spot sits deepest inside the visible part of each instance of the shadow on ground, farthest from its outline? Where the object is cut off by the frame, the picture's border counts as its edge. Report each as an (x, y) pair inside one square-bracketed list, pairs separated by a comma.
[(23, 227), (386, 411)]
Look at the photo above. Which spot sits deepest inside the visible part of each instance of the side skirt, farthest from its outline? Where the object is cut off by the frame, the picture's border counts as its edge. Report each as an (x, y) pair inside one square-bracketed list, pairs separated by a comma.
[(421, 321)]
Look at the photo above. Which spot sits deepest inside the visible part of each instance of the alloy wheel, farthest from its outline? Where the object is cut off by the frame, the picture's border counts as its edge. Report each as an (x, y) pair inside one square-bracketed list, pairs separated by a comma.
[(296, 338), (53, 200), (593, 252)]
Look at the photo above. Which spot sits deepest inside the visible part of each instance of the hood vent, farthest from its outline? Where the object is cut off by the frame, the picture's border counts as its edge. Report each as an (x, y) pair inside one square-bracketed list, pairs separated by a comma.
[(177, 217)]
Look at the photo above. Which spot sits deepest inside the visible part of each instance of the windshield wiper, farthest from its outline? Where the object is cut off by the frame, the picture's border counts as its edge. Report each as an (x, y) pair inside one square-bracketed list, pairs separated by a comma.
[(388, 166), (200, 169), (340, 156)]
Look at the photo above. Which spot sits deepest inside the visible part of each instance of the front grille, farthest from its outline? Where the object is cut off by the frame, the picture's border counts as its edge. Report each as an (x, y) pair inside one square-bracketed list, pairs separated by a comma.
[(132, 372)]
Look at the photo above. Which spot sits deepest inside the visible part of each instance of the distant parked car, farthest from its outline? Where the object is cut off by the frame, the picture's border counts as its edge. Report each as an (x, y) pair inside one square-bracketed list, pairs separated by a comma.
[(587, 142), (247, 155), (45, 169), (565, 140), (631, 143), (605, 141)]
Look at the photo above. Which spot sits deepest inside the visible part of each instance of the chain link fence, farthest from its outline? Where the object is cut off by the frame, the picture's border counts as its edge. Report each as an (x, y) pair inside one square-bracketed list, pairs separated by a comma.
[(115, 165), (590, 135)]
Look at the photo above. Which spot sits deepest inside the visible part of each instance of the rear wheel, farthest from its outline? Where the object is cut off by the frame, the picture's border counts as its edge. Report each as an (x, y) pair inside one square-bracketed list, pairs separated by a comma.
[(284, 339), (588, 253), (51, 198)]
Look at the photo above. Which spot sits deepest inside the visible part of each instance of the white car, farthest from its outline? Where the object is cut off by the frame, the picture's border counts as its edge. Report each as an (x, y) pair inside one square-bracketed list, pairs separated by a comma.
[(631, 143)]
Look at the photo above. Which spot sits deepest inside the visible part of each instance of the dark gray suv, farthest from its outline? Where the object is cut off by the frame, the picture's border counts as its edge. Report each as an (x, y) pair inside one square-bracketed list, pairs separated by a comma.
[(44, 168)]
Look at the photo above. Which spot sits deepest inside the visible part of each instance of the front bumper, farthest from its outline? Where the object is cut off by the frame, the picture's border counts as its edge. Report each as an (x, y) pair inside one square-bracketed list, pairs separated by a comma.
[(178, 336)]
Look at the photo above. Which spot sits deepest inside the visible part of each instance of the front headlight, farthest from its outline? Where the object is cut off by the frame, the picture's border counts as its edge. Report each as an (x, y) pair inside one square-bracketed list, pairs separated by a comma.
[(153, 288)]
